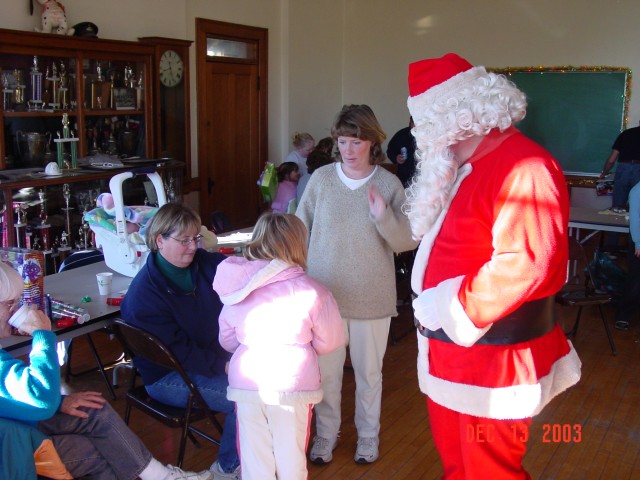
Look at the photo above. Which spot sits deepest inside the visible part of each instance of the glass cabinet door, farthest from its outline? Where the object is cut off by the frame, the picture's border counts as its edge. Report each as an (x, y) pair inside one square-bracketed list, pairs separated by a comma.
[(114, 107), (36, 91)]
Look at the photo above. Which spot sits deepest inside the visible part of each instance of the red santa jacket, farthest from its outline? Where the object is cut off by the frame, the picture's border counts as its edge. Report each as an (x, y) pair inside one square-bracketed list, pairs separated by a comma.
[(501, 242)]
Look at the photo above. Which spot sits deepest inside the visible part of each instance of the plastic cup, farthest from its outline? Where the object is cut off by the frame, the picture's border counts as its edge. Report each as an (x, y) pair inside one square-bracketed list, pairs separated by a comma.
[(52, 168), (19, 316), (104, 282)]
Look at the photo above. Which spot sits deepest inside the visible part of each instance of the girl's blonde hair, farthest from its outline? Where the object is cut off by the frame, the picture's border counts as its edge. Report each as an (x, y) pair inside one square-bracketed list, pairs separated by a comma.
[(279, 236)]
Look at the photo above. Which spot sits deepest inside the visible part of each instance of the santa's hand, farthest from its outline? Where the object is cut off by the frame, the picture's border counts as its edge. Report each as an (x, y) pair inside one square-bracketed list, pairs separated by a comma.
[(425, 311)]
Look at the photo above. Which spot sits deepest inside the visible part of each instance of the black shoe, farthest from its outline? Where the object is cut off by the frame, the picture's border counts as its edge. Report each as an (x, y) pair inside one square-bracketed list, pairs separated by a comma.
[(622, 325)]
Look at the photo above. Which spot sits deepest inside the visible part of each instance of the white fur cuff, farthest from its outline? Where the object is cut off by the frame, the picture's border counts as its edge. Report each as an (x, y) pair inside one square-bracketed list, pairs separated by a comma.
[(451, 315)]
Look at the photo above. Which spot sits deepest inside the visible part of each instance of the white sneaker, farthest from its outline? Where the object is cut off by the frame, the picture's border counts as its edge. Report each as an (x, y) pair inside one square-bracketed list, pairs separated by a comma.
[(219, 474), (321, 451), (176, 473), (367, 450)]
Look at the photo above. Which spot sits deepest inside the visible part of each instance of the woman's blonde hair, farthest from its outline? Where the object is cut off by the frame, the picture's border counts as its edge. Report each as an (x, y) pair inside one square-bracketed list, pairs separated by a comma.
[(359, 121), (279, 236), (300, 139), (171, 219)]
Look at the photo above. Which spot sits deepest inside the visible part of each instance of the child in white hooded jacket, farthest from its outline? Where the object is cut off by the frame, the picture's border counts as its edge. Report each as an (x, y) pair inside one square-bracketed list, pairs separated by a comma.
[(275, 320)]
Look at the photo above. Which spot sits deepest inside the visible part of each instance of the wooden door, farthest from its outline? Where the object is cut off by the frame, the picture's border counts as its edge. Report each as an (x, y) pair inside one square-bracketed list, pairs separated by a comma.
[(231, 125)]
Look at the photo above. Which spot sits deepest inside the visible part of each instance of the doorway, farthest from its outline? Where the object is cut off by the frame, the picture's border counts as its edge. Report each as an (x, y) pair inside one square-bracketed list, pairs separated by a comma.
[(231, 69)]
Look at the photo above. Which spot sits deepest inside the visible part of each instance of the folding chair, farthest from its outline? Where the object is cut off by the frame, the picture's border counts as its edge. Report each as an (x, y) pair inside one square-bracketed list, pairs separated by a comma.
[(75, 260), (579, 290), (140, 343), (403, 265)]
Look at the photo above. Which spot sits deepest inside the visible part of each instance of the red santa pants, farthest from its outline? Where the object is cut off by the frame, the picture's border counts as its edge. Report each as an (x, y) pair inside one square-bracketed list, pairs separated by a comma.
[(475, 448)]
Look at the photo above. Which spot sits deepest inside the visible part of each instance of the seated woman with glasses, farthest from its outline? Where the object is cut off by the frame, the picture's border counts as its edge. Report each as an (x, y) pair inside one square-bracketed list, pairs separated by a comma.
[(171, 297)]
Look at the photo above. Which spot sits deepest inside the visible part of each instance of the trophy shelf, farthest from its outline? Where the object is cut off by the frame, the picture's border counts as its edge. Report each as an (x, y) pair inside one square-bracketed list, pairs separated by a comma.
[(104, 86), (95, 94)]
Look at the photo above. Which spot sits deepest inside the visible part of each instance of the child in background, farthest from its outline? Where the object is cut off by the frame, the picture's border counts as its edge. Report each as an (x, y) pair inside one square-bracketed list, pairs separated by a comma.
[(288, 176), (276, 320), (321, 155), (302, 143)]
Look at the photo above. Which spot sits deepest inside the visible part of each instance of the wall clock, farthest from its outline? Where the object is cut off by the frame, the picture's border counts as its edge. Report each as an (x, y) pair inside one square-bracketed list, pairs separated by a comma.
[(172, 102), (171, 68)]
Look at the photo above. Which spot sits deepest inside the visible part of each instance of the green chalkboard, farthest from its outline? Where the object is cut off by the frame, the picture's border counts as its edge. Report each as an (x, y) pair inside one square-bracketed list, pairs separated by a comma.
[(575, 113)]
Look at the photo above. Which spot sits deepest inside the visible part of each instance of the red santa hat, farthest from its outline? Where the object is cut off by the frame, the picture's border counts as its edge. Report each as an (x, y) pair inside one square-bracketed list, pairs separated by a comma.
[(434, 78)]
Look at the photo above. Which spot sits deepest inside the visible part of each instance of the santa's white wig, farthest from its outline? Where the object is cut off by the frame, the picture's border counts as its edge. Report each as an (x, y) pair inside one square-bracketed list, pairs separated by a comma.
[(467, 104)]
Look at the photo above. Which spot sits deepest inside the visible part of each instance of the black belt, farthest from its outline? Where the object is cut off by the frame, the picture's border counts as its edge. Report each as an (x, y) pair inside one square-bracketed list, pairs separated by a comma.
[(531, 320), (629, 161)]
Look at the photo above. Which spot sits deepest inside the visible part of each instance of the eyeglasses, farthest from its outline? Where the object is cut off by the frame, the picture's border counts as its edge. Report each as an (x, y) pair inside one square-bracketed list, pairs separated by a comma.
[(185, 242)]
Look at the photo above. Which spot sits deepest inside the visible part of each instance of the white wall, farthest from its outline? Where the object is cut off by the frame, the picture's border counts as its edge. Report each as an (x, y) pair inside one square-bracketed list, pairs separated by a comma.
[(315, 51), (381, 37), (325, 53)]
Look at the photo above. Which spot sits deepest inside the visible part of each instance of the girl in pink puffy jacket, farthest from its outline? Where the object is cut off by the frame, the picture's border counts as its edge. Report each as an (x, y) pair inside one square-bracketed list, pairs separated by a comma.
[(276, 320)]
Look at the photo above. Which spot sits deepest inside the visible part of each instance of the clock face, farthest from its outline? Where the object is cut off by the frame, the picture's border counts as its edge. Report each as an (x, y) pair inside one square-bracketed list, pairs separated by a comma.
[(171, 68)]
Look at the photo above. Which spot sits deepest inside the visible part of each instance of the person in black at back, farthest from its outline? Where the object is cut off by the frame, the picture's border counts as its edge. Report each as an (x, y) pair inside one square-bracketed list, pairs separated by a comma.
[(401, 151), (626, 150)]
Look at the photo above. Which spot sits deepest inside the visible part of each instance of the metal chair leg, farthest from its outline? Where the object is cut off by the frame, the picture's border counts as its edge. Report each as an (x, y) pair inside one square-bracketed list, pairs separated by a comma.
[(100, 366), (574, 330), (608, 330)]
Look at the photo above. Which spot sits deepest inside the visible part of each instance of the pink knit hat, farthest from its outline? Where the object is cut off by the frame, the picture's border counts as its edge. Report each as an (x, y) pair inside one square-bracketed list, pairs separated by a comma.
[(433, 78)]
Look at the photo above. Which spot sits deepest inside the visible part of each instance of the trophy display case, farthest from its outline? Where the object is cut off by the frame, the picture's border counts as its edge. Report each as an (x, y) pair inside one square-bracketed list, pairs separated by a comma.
[(75, 111), (104, 87)]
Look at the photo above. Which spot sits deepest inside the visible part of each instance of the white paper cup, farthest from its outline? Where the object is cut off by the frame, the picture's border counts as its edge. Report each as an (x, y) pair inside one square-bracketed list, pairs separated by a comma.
[(19, 316), (52, 168), (104, 282)]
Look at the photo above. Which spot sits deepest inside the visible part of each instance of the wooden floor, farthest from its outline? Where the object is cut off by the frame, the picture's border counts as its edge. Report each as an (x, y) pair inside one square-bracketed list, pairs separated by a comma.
[(604, 407)]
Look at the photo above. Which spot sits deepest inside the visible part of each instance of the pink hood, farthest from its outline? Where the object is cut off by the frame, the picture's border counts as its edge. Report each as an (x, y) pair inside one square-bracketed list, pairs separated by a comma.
[(237, 277)]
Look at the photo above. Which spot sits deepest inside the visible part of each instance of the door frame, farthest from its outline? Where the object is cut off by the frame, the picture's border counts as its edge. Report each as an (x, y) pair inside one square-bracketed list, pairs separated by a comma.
[(231, 31)]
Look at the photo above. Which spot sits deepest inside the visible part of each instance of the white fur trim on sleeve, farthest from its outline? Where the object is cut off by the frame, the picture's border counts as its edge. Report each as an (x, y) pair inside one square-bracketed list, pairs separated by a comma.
[(447, 310), (454, 320)]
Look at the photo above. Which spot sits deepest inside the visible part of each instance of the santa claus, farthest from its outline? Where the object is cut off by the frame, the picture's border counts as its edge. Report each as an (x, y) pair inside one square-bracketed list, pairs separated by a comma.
[(491, 209)]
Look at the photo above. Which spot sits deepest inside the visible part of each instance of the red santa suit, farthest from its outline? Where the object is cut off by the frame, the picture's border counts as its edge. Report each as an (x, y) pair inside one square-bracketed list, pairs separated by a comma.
[(492, 262)]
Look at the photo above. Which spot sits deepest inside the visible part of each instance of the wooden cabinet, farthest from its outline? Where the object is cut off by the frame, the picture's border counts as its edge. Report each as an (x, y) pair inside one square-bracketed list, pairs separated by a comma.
[(171, 98), (104, 86), (104, 90)]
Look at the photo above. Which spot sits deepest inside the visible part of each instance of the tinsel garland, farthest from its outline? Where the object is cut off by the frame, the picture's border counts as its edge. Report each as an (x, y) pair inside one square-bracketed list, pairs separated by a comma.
[(508, 71)]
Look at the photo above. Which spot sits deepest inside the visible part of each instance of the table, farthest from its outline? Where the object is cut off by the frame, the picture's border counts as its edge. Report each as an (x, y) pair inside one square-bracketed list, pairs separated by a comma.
[(70, 287), (590, 219), (236, 239)]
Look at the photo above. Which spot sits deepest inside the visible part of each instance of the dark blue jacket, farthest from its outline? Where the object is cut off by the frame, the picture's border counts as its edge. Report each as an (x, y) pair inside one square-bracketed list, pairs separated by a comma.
[(187, 322)]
